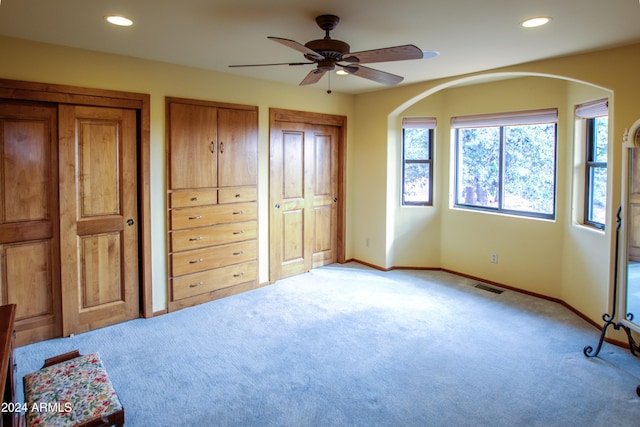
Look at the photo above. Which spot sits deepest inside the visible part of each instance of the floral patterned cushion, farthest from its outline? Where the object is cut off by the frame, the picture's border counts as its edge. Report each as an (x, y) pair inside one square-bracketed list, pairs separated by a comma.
[(69, 393)]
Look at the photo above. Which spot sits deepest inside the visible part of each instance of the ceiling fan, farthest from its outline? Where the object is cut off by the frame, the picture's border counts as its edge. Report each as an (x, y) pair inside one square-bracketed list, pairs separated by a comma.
[(328, 54)]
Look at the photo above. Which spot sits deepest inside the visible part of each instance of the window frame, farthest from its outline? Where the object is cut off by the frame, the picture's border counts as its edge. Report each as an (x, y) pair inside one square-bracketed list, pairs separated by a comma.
[(500, 121), (589, 166), (429, 125)]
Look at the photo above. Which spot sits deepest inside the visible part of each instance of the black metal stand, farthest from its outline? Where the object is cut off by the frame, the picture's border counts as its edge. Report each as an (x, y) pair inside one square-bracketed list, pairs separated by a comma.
[(608, 319)]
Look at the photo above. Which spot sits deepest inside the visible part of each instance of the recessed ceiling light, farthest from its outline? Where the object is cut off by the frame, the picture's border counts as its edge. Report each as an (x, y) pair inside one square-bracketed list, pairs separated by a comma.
[(536, 22), (119, 20)]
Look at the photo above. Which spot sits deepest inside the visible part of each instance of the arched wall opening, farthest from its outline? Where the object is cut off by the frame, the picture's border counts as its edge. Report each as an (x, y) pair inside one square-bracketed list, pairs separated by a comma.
[(560, 259)]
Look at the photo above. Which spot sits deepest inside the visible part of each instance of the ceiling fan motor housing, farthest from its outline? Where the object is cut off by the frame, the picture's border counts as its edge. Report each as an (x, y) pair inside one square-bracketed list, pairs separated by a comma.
[(329, 48)]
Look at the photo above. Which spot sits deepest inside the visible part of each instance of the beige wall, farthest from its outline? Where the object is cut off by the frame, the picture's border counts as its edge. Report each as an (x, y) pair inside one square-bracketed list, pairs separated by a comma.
[(558, 258), (531, 252)]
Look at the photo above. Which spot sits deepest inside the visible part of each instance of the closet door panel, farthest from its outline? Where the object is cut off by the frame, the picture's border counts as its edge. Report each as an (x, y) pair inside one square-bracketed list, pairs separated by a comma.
[(28, 269), (25, 165), (29, 254), (98, 219)]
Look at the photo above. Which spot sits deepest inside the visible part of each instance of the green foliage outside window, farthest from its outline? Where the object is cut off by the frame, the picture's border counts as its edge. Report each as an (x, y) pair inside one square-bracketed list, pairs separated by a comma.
[(507, 168), (417, 166), (596, 164)]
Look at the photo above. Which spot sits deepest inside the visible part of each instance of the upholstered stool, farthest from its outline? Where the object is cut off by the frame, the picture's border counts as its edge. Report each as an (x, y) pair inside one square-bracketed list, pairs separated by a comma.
[(72, 390)]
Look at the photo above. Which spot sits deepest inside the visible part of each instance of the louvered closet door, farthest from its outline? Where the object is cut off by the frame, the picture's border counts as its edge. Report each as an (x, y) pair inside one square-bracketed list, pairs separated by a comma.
[(29, 269), (98, 218)]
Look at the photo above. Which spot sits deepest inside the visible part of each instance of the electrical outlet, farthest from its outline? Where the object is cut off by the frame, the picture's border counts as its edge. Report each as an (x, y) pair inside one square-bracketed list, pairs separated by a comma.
[(494, 258)]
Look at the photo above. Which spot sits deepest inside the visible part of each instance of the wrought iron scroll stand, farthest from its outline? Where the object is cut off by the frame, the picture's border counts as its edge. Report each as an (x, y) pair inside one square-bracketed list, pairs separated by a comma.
[(634, 347)]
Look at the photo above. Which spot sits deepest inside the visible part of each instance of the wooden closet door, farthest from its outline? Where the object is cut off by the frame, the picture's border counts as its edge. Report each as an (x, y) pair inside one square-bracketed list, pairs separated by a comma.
[(192, 148), (303, 195), (325, 193), (98, 217), (29, 268)]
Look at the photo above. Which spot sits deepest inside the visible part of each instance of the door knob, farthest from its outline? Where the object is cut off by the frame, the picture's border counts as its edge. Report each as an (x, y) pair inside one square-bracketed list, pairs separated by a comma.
[(277, 205), (130, 222)]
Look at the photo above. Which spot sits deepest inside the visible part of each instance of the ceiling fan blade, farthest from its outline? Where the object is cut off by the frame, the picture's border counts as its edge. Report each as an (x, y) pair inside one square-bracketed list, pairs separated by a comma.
[(387, 54), (427, 54), (297, 46), (313, 77), (268, 65), (372, 74)]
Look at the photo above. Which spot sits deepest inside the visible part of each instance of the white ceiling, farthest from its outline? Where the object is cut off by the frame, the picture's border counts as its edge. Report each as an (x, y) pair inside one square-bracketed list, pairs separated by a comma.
[(471, 35)]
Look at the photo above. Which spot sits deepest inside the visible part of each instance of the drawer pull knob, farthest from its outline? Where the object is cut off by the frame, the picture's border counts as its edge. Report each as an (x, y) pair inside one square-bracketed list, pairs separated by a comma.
[(194, 199), (237, 195), (239, 232), (240, 212), (238, 253), (239, 274), (193, 239), (195, 285), (195, 217), (195, 261)]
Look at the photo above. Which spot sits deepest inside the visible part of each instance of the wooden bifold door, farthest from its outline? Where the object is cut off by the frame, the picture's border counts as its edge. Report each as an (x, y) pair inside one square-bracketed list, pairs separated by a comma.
[(69, 217)]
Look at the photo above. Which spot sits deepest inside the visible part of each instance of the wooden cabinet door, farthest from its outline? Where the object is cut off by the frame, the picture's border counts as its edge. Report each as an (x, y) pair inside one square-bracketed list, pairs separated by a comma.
[(237, 147), (192, 146), (98, 216), (303, 195), (29, 267)]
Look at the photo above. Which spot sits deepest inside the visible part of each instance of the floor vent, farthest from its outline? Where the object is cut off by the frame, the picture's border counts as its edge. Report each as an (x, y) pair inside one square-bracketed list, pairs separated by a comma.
[(489, 288)]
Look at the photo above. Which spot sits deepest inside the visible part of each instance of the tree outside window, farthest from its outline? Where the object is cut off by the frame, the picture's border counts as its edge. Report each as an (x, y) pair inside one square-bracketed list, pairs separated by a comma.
[(595, 116), (507, 167), (417, 165), (596, 171)]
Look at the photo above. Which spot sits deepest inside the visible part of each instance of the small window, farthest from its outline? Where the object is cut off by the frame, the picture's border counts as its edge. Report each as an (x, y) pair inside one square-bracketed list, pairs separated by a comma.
[(596, 118), (506, 162), (417, 161)]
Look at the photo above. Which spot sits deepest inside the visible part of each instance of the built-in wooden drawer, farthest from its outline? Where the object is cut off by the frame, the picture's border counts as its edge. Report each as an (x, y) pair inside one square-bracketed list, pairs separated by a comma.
[(195, 238), (211, 280), (237, 194), (214, 257), (214, 214), (180, 199)]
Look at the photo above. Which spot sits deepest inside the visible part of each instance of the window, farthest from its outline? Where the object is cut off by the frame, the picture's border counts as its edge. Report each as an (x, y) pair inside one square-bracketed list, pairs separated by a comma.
[(417, 161), (595, 116), (507, 162)]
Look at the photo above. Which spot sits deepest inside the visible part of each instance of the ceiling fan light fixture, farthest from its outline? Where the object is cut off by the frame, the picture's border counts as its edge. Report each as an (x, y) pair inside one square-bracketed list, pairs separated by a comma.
[(342, 73), (119, 20), (537, 21)]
